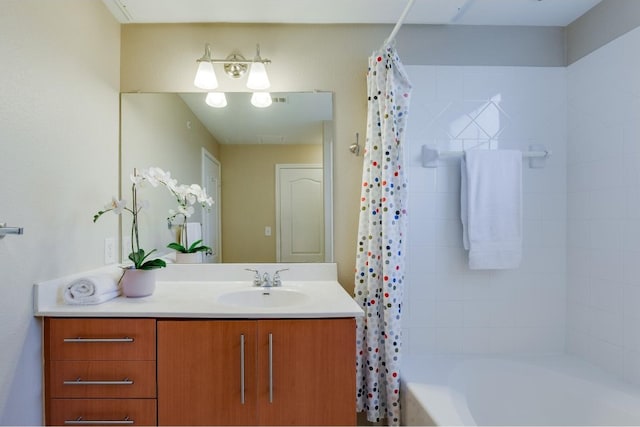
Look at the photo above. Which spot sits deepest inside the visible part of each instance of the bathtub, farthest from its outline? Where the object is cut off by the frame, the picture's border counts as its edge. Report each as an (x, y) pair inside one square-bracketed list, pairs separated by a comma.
[(548, 390)]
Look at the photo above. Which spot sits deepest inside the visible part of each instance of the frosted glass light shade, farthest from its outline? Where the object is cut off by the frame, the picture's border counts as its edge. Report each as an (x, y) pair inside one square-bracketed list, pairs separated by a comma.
[(216, 99), (261, 99), (258, 79), (205, 76)]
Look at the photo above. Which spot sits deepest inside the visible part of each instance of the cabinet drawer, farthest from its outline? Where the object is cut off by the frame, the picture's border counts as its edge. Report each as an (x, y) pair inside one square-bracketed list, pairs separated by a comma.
[(102, 412), (100, 339), (127, 379)]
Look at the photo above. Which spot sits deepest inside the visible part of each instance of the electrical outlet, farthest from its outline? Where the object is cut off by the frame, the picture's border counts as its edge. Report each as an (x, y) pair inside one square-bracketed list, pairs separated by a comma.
[(267, 231), (126, 248), (110, 250)]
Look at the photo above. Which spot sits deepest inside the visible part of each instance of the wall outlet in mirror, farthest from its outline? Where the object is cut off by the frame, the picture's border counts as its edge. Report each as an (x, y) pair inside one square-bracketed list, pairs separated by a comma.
[(110, 250)]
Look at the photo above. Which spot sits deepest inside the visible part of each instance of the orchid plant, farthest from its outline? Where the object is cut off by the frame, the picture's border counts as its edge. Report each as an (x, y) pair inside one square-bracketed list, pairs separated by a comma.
[(187, 196)]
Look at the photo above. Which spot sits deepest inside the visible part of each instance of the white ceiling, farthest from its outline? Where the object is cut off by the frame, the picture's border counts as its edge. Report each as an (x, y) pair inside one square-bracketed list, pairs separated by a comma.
[(457, 12)]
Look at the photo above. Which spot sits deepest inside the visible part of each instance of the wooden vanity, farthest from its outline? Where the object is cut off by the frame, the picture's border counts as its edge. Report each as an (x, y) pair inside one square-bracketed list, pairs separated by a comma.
[(199, 372), (155, 367)]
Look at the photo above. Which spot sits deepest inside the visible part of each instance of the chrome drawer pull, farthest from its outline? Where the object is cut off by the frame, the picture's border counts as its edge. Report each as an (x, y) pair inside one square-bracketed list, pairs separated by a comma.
[(80, 421), (80, 381), (242, 369), (86, 340), (270, 368)]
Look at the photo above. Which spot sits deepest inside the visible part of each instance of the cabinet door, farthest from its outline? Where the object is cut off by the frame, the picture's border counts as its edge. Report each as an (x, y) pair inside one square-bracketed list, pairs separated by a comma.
[(306, 372), (200, 372)]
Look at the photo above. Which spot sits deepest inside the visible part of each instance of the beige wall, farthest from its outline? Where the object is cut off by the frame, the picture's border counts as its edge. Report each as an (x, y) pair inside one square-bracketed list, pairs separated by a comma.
[(248, 196), (331, 58), (59, 89), (158, 129)]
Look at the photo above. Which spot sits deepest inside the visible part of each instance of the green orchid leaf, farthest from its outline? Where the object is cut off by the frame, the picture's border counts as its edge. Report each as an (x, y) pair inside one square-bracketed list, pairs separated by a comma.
[(153, 264), (177, 247), (194, 244), (195, 247)]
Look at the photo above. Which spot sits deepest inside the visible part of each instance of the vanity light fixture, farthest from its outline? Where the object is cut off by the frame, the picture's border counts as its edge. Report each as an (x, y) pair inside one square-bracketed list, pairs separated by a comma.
[(258, 79), (235, 66), (216, 99), (261, 99), (206, 76)]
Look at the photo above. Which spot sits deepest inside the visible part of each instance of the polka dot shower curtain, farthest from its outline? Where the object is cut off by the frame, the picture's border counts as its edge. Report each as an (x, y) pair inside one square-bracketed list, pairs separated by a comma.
[(380, 252)]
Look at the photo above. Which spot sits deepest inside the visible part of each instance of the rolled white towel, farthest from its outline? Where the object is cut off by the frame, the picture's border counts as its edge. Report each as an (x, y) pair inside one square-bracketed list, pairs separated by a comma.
[(91, 290)]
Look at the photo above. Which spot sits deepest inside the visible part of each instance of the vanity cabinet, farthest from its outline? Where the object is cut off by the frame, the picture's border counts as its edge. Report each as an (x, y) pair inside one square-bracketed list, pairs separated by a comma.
[(100, 371), (137, 371), (256, 372)]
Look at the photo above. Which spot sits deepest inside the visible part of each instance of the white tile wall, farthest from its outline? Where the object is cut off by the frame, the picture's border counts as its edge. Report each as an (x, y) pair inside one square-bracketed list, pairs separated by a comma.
[(603, 182), (579, 283), (449, 308)]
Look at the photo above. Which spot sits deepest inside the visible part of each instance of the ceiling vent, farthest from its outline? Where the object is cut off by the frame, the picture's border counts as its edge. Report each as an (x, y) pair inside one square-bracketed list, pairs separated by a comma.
[(271, 139), (119, 9)]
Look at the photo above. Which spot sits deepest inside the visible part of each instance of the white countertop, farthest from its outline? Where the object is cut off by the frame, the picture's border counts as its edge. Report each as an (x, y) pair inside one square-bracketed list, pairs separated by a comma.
[(192, 291)]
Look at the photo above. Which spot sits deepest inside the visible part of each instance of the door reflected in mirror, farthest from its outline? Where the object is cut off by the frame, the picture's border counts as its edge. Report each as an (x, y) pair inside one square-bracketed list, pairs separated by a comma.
[(238, 153)]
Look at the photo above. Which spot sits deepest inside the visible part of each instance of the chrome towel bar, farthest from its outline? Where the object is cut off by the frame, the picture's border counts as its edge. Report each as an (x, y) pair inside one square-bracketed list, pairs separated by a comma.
[(537, 156)]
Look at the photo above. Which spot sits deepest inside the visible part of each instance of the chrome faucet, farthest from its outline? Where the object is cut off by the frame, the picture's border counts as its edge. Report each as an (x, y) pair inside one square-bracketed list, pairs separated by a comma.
[(276, 277), (257, 281), (265, 281)]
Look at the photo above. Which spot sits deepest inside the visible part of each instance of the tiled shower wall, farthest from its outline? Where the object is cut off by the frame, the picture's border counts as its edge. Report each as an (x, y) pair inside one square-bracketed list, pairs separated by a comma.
[(449, 308), (603, 180)]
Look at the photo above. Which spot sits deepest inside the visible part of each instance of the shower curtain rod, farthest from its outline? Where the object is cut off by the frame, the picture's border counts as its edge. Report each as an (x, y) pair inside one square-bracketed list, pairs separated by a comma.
[(399, 23)]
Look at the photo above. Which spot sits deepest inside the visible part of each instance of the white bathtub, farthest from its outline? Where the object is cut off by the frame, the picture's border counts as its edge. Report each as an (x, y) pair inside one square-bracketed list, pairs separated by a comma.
[(549, 390)]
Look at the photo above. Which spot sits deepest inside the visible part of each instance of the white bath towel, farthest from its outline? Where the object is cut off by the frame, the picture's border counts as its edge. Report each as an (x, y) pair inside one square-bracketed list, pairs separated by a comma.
[(193, 233), (91, 290), (491, 208)]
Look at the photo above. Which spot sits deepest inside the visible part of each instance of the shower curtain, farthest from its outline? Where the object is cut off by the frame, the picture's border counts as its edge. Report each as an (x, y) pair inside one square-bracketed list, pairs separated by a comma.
[(380, 252)]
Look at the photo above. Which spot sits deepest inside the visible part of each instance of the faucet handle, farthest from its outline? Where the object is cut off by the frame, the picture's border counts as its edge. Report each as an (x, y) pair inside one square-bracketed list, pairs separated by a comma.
[(256, 277), (276, 277)]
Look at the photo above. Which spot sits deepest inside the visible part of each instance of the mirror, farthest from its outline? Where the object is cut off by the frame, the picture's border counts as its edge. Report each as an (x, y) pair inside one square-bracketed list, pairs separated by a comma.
[(269, 170)]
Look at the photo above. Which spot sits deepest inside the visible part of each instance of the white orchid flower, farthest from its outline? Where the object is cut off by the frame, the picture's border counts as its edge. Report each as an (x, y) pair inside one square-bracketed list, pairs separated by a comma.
[(136, 179), (155, 176), (180, 191), (116, 206), (187, 211), (171, 184)]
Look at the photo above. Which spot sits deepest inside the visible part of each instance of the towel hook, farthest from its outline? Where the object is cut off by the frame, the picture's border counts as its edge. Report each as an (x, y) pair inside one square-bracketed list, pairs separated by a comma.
[(4, 230), (355, 147)]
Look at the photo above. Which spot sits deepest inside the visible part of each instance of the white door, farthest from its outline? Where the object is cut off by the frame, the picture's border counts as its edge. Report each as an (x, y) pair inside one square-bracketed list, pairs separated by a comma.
[(211, 235), (299, 213)]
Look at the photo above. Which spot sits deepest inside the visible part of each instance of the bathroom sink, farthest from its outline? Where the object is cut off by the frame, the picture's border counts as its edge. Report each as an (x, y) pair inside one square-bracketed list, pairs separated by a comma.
[(261, 298)]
